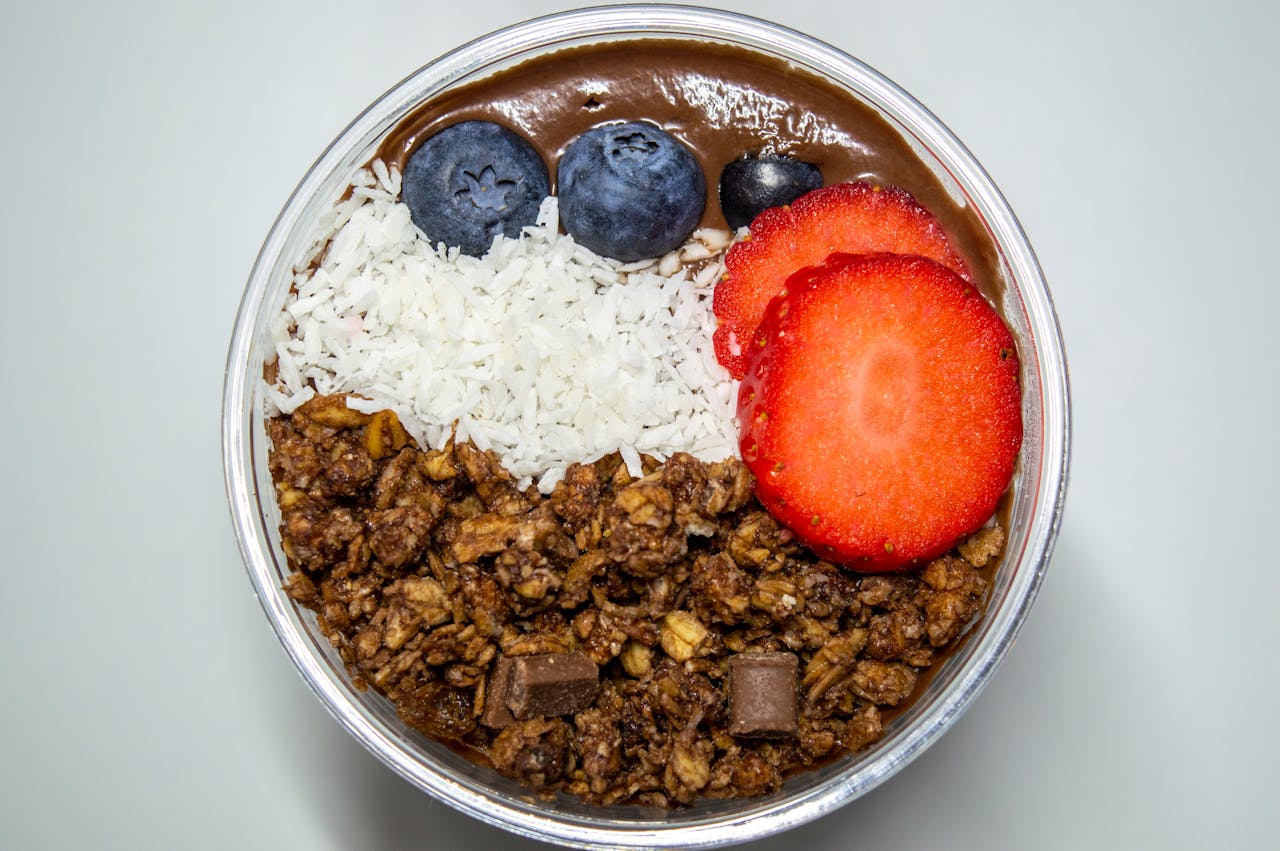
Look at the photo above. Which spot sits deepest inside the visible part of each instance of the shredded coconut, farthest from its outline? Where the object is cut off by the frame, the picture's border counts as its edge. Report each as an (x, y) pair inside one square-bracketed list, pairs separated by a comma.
[(541, 351)]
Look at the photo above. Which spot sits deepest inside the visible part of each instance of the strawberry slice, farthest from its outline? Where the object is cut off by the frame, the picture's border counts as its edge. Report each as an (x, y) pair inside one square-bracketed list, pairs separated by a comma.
[(881, 413), (853, 218)]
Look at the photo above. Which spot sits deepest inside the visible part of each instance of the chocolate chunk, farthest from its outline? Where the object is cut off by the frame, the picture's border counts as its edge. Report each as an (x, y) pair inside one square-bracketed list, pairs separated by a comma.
[(762, 694), (551, 684), (496, 714)]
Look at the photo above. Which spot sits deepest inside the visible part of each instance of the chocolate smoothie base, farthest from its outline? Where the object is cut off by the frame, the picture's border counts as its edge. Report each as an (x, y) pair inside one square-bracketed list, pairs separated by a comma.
[(723, 102)]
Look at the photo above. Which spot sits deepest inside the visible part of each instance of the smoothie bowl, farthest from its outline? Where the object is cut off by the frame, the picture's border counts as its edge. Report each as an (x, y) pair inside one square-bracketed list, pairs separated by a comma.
[(646, 426)]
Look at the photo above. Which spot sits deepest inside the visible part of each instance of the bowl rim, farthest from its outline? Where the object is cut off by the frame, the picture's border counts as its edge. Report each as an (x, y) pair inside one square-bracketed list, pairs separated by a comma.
[(780, 812)]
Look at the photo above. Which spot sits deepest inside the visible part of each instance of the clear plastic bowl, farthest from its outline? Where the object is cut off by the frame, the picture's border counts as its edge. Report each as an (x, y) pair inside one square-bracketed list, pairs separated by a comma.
[(1038, 488)]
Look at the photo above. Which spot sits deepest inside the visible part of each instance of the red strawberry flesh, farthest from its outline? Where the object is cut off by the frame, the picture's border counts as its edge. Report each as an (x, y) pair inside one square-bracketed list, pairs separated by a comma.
[(881, 410), (852, 218)]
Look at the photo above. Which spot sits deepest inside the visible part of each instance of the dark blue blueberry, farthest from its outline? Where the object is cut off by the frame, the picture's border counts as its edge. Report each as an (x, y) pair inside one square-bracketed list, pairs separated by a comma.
[(751, 185), (472, 181), (630, 191)]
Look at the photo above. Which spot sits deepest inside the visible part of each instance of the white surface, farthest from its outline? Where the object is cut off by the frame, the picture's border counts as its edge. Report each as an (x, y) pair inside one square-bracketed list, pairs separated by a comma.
[(148, 148)]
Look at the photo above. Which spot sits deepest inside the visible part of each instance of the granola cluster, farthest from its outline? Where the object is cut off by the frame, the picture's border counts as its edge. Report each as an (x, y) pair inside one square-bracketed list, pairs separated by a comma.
[(427, 568)]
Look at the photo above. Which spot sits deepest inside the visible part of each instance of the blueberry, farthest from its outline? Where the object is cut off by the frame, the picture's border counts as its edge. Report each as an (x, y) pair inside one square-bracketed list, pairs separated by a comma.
[(630, 191), (472, 181), (753, 184)]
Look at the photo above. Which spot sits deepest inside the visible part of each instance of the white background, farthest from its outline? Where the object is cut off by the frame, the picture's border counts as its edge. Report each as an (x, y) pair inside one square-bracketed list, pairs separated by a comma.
[(147, 148)]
